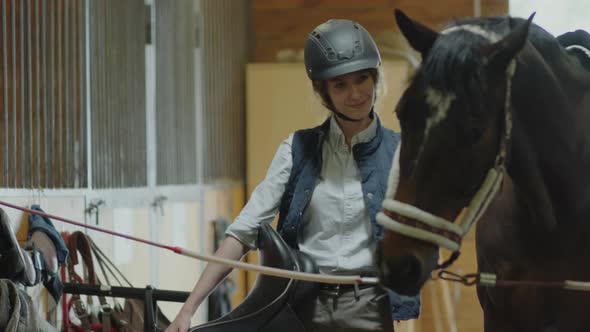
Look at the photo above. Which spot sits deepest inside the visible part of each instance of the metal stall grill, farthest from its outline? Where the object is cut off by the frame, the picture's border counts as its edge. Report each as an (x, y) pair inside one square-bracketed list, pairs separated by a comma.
[(175, 92), (224, 55), (42, 103), (117, 90)]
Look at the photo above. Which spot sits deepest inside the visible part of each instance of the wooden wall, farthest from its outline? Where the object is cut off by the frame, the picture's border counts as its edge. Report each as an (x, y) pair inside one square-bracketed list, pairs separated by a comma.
[(284, 24)]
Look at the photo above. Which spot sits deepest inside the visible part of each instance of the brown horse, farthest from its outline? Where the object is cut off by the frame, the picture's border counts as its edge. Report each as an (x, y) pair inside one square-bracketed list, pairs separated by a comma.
[(495, 130)]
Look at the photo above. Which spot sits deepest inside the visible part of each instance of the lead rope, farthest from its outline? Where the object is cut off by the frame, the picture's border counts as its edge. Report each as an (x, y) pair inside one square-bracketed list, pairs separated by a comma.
[(491, 280)]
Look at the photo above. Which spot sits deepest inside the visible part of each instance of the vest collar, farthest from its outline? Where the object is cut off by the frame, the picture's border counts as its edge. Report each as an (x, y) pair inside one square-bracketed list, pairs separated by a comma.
[(361, 150), (338, 141)]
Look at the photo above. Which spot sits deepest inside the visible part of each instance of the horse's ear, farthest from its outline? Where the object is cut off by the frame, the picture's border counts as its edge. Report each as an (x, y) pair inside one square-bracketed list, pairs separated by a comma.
[(502, 52), (419, 36)]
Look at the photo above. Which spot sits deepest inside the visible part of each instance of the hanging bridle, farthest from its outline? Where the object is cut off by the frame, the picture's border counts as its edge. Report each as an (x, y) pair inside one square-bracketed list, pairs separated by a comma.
[(416, 223)]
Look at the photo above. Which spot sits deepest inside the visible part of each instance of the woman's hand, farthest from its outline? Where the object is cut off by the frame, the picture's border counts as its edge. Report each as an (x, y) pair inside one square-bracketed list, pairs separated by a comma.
[(213, 274), (181, 323)]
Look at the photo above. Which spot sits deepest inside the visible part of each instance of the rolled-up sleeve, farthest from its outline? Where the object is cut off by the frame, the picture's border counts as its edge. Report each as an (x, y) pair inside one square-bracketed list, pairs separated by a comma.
[(263, 205)]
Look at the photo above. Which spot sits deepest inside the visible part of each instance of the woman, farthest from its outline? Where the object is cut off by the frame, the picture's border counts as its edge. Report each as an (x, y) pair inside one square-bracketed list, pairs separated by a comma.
[(327, 184)]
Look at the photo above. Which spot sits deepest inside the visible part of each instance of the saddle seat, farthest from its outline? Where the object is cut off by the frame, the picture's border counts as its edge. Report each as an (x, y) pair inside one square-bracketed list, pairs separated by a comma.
[(273, 304)]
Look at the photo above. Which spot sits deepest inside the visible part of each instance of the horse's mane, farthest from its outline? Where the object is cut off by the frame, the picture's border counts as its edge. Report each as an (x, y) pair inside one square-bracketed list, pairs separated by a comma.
[(540, 42), (455, 58)]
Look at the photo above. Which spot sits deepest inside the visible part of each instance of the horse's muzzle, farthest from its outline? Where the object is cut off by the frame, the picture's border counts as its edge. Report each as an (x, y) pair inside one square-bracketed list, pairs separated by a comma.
[(402, 274)]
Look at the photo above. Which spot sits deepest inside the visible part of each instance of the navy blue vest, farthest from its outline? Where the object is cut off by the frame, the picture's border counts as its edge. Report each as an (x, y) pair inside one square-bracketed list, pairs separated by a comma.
[(374, 161)]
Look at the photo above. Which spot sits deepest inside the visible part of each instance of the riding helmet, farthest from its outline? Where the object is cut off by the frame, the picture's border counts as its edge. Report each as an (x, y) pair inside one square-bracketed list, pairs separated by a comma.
[(339, 47)]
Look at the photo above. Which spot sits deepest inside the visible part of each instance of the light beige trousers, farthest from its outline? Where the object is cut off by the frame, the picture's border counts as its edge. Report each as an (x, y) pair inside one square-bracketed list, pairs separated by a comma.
[(367, 309)]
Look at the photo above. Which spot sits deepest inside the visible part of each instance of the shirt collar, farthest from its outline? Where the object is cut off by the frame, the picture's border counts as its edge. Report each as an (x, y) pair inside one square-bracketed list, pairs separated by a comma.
[(336, 136)]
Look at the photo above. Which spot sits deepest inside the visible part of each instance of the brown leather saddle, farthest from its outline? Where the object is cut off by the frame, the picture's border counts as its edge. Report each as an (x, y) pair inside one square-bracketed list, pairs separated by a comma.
[(273, 304)]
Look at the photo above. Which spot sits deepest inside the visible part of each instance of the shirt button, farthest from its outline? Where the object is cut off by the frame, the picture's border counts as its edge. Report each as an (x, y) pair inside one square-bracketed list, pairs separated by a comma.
[(370, 195)]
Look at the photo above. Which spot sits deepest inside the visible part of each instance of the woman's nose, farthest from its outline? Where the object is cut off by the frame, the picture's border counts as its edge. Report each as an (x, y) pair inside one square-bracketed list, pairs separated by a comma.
[(355, 92)]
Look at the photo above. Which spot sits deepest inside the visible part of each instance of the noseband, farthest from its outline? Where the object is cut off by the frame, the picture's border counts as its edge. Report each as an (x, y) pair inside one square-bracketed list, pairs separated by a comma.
[(416, 223)]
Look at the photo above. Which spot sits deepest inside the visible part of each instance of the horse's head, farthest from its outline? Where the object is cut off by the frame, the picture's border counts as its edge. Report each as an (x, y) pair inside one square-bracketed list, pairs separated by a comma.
[(453, 121)]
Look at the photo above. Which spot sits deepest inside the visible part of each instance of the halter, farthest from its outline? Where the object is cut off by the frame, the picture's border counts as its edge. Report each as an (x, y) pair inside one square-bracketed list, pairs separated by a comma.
[(416, 223)]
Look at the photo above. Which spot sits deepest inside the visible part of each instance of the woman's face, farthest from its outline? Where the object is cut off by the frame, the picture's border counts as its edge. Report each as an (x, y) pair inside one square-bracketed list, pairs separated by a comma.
[(352, 94)]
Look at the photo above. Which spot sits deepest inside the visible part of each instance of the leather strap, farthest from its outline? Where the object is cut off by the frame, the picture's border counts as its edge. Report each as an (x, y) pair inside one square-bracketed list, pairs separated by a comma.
[(78, 242), (79, 306), (106, 319)]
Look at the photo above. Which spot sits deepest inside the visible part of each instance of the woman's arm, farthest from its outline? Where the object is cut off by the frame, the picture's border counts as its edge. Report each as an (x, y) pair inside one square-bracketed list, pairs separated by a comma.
[(241, 235), (213, 274)]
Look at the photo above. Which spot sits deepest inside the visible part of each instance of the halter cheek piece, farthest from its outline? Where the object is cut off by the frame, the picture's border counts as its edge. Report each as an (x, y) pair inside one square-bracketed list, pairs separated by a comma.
[(416, 223)]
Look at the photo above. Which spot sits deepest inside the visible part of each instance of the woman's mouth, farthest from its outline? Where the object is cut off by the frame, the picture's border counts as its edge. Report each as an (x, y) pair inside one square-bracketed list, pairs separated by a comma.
[(359, 105)]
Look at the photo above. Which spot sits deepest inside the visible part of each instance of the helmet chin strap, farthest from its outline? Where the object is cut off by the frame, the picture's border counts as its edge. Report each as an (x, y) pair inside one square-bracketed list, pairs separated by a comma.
[(346, 118)]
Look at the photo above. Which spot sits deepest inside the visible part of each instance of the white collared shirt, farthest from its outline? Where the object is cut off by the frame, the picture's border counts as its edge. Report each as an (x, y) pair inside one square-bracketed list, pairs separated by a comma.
[(336, 229)]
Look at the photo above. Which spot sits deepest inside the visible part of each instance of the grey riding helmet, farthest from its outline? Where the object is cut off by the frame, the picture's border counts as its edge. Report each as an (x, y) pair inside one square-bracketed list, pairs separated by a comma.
[(339, 47)]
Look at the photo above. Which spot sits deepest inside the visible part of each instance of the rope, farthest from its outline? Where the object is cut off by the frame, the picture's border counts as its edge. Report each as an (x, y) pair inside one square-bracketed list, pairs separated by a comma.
[(276, 272), (482, 279)]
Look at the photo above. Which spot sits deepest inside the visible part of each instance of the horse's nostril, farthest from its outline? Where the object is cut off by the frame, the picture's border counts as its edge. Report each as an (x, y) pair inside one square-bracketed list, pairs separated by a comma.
[(410, 268), (406, 268), (402, 274)]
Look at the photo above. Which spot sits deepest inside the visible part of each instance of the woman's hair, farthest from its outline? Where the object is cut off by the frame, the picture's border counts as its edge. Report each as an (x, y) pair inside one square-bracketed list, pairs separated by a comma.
[(321, 87)]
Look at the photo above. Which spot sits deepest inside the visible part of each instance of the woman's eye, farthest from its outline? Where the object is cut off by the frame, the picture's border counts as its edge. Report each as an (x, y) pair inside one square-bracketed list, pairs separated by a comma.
[(363, 78), (340, 85)]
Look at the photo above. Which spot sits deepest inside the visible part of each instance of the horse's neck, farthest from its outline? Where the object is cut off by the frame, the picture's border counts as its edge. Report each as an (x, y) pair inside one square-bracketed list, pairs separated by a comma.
[(512, 228), (551, 142)]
